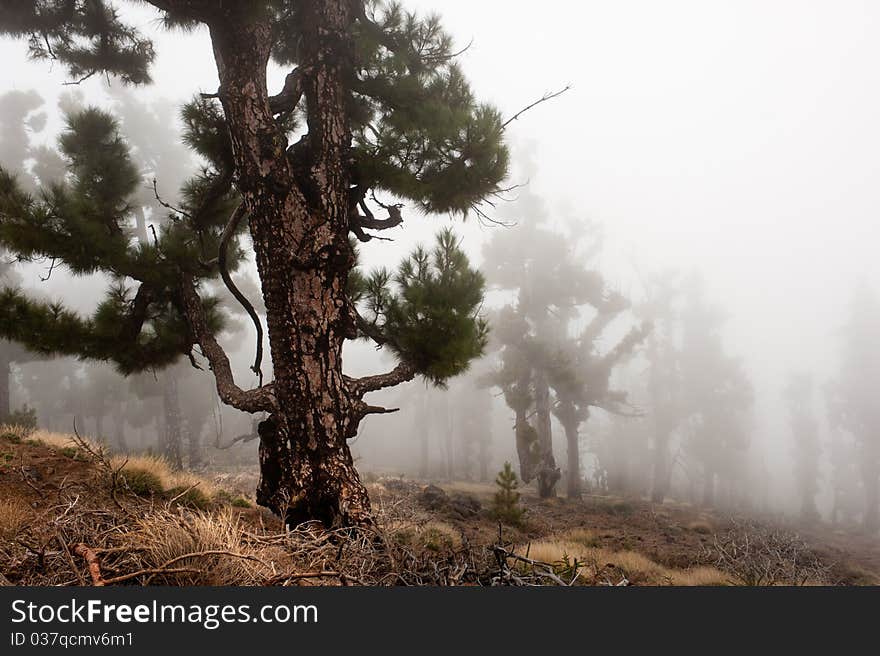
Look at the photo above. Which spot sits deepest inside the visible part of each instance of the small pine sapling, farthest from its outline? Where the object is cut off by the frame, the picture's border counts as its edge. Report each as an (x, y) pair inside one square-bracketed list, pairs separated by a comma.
[(506, 506)]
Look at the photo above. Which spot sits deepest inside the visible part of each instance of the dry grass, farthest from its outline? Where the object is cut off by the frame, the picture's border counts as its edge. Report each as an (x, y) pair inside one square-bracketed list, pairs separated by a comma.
[(582, 536), (433, 535), (212, 545), (53, 440), (14, 515), (605, 566), (148, 474)]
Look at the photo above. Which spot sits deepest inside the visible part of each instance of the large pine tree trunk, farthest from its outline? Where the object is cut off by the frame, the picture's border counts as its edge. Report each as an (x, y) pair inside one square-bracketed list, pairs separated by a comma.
[(298, 206)]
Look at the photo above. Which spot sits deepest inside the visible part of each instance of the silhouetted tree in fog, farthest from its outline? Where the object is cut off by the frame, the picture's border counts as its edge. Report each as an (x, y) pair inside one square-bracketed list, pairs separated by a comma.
[(806, 448), (542, 365), (718, 398), (856, 403)]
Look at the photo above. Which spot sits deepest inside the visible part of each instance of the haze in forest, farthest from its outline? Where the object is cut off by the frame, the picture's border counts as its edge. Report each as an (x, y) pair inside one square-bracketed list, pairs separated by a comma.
[(729, 147)]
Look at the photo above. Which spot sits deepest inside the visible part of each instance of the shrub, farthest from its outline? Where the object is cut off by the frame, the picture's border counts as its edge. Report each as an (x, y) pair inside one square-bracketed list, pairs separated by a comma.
[(190, 496), (241, 502), (25, 419), (141, 481)]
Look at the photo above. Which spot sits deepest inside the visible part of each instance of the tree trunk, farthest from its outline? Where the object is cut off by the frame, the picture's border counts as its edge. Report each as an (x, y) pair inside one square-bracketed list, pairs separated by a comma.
[(574, 459), (548, 473), (171, 438), (660, 484), (5, 375), (709, 488), (298, 203), (449, 433), (871, 478), (423, 428), (194, 443), (121, 443), (484, 458), (525, 445)]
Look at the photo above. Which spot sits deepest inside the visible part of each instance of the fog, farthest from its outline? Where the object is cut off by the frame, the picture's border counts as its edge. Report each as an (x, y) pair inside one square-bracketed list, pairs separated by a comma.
[(721, 158)]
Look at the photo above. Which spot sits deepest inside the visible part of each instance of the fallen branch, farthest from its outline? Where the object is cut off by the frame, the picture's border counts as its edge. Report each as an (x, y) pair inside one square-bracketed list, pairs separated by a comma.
[(92, 561)]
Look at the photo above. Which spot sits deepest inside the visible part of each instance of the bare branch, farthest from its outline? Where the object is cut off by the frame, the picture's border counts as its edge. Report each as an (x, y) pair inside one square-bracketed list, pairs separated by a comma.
[(261, 399), (542, 99), (228, 232)]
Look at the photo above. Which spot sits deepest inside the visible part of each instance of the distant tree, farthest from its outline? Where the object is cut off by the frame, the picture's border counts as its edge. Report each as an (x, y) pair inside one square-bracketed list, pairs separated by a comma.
[(379, 106), (662, 351), (846, 494), (856, 404), (19, 118), (806, 449), (541, 365), (718, 398)]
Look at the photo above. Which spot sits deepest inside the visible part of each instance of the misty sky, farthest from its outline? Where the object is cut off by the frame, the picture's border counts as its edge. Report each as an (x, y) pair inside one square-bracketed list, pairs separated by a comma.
[(739, 137)]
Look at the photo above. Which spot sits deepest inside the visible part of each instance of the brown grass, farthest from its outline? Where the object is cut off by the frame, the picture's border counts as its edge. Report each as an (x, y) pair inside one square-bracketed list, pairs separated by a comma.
[(607, 566), (14, 515), (211, 544)]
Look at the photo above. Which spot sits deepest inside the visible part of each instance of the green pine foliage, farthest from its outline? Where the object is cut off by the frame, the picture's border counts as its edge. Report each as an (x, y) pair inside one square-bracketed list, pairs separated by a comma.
[(427, 313), (505, 503), (419, 135)]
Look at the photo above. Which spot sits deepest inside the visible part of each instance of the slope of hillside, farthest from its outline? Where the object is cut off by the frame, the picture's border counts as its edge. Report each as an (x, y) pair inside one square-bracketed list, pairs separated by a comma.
[(71, 515)]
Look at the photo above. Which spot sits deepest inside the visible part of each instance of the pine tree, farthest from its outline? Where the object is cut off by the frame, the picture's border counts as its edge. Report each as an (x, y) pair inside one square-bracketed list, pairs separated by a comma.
[(505, 503), (538, 356), (717, 397), (379, 106), (855, 393), (806, 449)]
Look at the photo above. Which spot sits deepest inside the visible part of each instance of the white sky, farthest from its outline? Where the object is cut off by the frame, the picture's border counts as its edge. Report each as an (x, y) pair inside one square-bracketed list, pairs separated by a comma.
[(738, 137)]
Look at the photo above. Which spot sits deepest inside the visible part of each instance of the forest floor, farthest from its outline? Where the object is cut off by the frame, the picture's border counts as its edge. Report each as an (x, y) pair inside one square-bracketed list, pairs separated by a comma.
[(71, 515)]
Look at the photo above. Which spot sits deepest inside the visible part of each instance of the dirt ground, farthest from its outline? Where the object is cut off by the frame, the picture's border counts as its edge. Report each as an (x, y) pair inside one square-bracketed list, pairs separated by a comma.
[(55, 497)]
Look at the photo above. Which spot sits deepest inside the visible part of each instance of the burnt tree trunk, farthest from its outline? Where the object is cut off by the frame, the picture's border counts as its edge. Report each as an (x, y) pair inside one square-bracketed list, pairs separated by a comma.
[(298, 205)]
